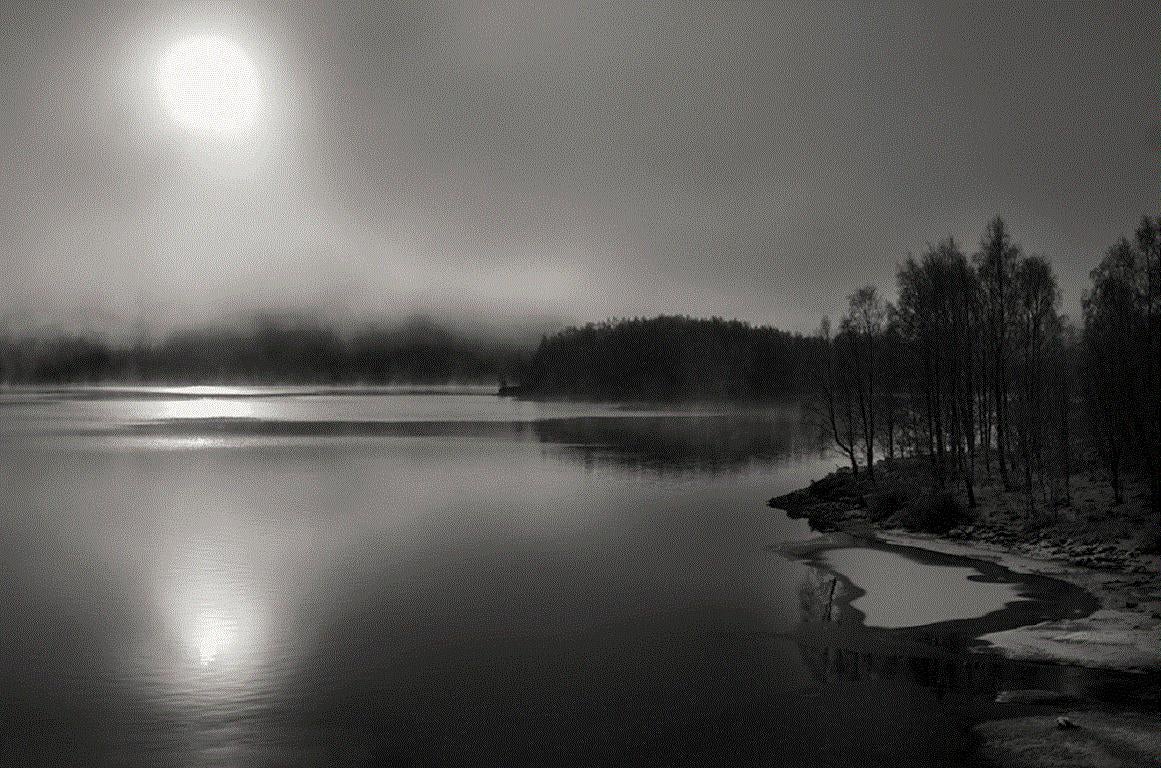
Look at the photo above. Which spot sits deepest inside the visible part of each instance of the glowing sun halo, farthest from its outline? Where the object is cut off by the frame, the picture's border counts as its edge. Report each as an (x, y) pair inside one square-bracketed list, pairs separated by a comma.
[(208, 84)]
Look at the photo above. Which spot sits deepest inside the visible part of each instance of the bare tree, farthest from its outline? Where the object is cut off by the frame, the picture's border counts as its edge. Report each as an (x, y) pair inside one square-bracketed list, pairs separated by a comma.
[(996, 262), (1113, 329), (1148, 238), (1037, 299), (891, 357), (834, 397), (862, 329)]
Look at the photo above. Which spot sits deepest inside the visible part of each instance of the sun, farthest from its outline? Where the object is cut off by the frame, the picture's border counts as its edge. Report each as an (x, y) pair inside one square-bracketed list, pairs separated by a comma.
[(209, 84)]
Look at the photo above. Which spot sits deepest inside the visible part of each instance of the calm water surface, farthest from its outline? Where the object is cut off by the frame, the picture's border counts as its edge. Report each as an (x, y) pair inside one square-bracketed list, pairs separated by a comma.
[(217, 577)]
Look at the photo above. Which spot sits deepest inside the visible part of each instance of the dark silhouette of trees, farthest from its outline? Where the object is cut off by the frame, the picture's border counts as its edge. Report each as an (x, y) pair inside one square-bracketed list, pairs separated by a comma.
[(1120, 360), (1148, 237), (849, 390), (939, 317), (862, 331), (989, 379), (1061, 389), (1037, 330), (831, 397), (892, 359), (667, 358), (267, 349), (996, 263), (975, 368)]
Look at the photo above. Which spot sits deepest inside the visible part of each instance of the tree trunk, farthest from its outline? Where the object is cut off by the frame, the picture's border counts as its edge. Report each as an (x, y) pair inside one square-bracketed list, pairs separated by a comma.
[(1066, 449), (1001, 428), (1115, 476)]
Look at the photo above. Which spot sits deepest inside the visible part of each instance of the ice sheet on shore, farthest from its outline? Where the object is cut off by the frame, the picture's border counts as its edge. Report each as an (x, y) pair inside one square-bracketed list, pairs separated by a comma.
[(901, 592)]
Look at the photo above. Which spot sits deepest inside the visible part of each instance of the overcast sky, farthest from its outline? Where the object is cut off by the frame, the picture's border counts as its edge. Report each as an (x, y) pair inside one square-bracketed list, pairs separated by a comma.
[(563, 159)]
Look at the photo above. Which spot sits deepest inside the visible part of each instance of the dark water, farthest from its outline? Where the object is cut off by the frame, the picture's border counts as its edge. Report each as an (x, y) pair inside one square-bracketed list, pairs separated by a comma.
[(225, 578)]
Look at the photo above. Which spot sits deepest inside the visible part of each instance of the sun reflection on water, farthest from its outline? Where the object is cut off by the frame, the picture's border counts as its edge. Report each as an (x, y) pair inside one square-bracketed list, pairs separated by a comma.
[(218, 613), (206, 408), (214, 635)]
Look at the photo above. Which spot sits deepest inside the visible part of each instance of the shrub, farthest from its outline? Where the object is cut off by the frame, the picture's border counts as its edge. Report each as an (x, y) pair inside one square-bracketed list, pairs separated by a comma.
[(885, 501), (1151, 542), (933, 513)]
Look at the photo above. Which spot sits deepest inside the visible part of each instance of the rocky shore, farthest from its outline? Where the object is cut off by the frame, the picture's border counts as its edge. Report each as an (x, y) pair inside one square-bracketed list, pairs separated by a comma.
[(1112, 553), (1107, 551)]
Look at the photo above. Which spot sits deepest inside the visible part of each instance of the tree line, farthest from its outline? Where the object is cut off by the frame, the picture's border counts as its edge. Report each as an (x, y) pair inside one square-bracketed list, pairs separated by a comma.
[(975, 368), (263, 349), (666, 358)]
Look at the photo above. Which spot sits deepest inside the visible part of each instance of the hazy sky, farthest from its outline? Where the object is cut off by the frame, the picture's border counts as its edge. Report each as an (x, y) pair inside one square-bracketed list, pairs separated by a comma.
[(560, 158)]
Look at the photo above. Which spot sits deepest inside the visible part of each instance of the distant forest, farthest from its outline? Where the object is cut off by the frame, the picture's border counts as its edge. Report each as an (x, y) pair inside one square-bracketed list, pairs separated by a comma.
[(264, 349), (667, 358)]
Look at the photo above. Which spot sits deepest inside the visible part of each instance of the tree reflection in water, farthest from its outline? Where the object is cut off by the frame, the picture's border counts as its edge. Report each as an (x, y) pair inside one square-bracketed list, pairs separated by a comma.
[(938, 658), (683, 444)]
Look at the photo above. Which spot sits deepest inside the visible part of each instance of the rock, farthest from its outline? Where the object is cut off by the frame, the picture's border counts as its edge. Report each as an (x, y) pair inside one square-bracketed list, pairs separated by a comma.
[(1106, 739), (1064, 723)]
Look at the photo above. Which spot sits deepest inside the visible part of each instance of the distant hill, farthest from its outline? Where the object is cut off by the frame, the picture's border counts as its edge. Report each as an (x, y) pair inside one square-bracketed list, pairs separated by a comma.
[(666, 358), (265, 350)]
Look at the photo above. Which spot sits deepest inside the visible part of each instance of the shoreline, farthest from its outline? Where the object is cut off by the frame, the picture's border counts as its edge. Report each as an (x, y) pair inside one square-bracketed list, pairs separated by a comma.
[(1115, 636), (1040, 598), (1122, 632), (1116, 632), (1098, 637), (1029, 727)]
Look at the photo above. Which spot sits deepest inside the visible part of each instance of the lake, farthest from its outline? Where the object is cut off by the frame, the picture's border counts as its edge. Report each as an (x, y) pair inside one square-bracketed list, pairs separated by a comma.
[(308, 576)]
